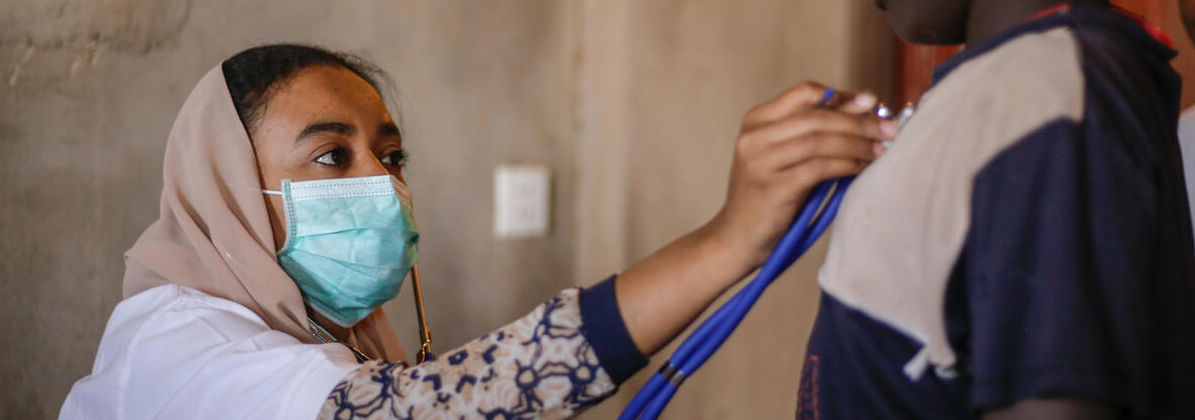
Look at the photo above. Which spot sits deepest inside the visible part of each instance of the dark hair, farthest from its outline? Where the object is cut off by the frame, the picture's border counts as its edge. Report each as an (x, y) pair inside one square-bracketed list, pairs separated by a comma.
[(254, 74)]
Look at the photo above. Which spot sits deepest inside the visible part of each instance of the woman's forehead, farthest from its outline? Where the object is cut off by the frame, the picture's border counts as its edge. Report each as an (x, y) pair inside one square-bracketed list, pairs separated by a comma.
[(326, 91)]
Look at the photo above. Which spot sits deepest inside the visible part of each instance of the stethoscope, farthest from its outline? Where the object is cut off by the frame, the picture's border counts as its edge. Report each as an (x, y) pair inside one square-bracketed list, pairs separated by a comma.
[(810, 224), (425, 335)]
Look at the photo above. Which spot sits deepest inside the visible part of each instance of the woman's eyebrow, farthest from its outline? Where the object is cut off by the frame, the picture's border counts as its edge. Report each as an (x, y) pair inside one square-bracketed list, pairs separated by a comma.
[(332, 127), (388, 129)]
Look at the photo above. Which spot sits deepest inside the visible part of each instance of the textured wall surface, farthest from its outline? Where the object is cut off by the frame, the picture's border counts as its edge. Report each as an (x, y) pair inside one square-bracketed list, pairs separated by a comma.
[(635, 105)]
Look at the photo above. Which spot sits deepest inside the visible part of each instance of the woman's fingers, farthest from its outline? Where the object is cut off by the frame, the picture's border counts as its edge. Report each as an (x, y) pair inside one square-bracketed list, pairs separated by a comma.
[(801, 97), (818, 170), (851, 102), (786, 147), (820, 120), (786, 154), (857, 103), (806, 96)]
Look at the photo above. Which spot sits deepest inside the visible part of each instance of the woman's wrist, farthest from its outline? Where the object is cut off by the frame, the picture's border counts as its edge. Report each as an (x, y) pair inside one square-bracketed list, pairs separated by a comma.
[(720, 251), (661, 294), (735, 244)]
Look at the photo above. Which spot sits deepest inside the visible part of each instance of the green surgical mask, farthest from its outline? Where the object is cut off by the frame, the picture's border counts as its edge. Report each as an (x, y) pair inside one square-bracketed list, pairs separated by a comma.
[(350, 242)]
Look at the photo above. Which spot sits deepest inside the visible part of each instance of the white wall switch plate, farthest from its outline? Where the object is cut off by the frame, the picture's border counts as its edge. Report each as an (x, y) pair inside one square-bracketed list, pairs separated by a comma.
[(521, 201)]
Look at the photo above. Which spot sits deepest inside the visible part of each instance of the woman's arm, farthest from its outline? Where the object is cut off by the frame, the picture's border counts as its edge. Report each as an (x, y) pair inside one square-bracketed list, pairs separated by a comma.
[(786, 147)]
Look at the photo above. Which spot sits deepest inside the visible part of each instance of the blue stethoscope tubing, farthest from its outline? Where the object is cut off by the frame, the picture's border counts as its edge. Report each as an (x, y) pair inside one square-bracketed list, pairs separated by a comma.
[(709, 336)]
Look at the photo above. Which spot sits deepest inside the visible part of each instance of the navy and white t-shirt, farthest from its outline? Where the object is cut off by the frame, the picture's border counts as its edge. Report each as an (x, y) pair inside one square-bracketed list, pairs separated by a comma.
[(1026, 236)]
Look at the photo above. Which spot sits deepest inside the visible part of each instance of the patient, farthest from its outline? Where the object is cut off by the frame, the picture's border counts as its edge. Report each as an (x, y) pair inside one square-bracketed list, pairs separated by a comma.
[(1023, 251)]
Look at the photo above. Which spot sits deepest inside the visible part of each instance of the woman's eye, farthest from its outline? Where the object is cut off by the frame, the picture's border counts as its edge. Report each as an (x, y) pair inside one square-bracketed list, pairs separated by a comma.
[(396, 158), (333, 157)]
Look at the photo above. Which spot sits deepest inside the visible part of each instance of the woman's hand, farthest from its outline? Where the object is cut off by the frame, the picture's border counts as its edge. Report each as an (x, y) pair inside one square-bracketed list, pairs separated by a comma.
[(787, 146)]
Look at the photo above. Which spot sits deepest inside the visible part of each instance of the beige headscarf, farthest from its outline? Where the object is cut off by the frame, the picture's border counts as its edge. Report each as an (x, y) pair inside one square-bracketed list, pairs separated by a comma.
[(213, 233)]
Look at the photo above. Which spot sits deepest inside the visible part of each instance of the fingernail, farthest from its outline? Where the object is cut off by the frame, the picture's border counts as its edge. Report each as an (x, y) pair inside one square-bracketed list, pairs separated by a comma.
[(878, 149), (887, 144), (865, 100), (889, 128)]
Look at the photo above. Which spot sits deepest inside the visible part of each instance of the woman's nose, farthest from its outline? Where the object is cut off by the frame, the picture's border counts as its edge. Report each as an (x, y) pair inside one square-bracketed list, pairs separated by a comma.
[(368, 165)]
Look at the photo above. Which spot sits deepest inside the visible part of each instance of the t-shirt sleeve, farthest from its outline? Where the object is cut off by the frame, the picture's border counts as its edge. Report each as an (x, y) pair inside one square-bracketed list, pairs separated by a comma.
[(604, 329), (1059, 270), (199, 361)]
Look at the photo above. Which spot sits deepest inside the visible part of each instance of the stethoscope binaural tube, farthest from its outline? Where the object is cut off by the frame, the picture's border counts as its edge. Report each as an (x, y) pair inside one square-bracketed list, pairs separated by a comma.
[(425, 334)]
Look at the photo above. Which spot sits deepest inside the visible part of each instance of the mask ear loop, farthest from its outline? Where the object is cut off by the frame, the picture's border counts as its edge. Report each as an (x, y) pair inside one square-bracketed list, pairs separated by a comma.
[(425, 335)]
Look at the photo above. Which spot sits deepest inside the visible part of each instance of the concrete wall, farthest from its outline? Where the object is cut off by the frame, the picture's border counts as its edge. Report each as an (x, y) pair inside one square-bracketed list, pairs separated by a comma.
[(635, 105)]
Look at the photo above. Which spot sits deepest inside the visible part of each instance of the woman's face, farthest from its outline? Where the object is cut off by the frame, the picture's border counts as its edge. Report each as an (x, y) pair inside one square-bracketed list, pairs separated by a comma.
[(323, 122)]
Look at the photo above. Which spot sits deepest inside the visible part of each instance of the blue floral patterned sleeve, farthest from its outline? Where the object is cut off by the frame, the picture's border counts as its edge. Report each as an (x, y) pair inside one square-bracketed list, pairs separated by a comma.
[(541, 366)]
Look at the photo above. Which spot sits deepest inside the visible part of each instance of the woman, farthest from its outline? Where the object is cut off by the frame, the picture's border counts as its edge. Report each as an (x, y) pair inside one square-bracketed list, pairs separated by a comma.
[(285, 223)]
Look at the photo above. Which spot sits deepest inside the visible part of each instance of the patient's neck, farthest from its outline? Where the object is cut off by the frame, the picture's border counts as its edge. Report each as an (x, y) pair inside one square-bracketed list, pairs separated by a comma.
[(988, 18)]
